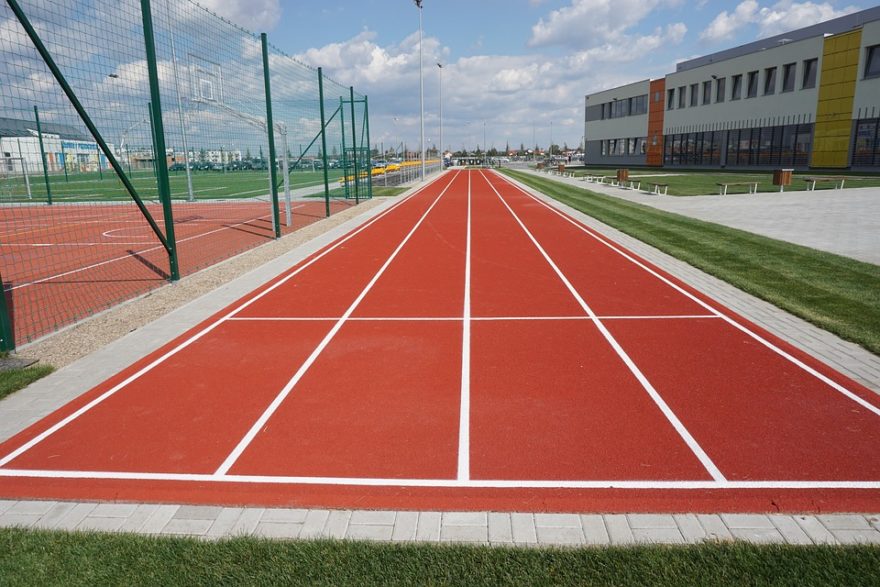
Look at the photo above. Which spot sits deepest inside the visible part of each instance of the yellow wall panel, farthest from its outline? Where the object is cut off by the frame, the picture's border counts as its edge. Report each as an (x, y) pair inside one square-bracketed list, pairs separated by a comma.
[(840, 58)]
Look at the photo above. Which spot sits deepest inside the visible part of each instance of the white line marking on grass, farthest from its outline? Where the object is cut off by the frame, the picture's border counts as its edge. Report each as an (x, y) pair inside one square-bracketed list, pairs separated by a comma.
[(648, 387), (464, 421), (45, 434), (285, 391), (451, 483), (611, 245)]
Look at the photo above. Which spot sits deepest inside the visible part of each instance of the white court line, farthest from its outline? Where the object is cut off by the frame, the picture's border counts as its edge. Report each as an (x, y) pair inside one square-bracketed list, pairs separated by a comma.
[(611, 245), (464, 418), (658, 400), (285, 391), (471, 318), (451, 483), (45, 434)]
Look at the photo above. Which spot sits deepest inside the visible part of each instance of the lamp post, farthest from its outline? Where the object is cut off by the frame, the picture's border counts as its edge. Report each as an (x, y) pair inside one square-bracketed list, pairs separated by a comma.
[(442, 158), (418, 4), (485, 152)]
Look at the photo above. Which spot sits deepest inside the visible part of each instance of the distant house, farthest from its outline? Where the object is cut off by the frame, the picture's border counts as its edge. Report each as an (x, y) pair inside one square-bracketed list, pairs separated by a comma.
[(64, 145)]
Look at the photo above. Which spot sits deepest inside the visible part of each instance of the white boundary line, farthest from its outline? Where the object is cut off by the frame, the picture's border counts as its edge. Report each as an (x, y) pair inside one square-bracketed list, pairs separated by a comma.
[(471, 318), (655, 396), (57, 426), (469, 483), (464, 419), (611, 245), (285, 391)]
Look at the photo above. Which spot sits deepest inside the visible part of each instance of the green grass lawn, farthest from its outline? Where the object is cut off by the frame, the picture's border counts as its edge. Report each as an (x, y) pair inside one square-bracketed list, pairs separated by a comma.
[(835, 293), (12, 380), (61, 558), (381, 191), (704, 182)]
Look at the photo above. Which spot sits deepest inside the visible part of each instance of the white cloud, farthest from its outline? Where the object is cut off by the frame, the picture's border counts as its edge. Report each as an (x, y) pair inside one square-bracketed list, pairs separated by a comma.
[(257, 15), (783, 16)]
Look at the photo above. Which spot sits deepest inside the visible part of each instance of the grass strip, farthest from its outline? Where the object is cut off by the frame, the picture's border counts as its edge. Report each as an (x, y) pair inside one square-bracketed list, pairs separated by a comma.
[(835, 293), (12, 380), (29, 557)]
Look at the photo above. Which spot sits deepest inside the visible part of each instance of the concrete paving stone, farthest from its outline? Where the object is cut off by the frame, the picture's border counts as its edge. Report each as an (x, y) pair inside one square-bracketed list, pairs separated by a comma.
[(71, 517), (284, 516), (549, 535), (428, 529), (278, 530), (159, 518), (594, 529), (405, 526), (114, 510), (790, 530), (557, 520), (523, 526), (874, 521), (313, 527), (337, 524), (39, 508), (50, 518), (372, 518), (500, 528), (5, 504), (247, 522), (691, 529), (658, 535), (223, 522), (450, 533), (136, 521), (715, 527), (618, 529), (465, 518), (187, 527), (10, 520), (197, 512), (747, 521), (857, 536), (758, 535), (93, 524), (369, 532), (653, 521), (844, 522)]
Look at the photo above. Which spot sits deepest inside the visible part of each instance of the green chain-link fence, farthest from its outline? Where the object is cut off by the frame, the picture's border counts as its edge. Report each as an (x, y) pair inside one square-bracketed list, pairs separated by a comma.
[(135, 147)]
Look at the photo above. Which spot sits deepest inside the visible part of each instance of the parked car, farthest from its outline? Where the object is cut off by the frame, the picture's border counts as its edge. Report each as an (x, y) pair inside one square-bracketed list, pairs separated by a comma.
[(177, 167)]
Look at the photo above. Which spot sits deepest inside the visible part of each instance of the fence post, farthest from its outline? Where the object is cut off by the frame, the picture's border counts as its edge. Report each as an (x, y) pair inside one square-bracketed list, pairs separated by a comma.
[(369, 151), (270, 128), (324, 142), (354, 146), (159, 139), (64, 162), (7, 335), (43, 155), (344, 152)]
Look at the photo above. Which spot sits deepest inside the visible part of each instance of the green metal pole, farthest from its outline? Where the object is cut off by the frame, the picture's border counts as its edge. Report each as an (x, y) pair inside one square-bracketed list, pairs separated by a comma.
[(270, 128), (64, 160), (324, 142), (153, 136), (43, 155), (159, 138), (354, 144), (7, 334), (370, 155), (344, 152)]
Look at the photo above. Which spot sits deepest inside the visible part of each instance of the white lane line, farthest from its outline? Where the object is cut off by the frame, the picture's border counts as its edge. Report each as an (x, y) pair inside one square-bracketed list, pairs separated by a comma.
[(285, 391), (45, 434), (649, 388), (472, 318), (469, 483), (611, 245), (464, 420)]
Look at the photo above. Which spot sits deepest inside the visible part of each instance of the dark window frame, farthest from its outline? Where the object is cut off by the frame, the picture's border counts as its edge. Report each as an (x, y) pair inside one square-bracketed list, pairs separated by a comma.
[(872, 62), (789, 74), (770, 81), (736, 87), (752, 84), (811, 72)]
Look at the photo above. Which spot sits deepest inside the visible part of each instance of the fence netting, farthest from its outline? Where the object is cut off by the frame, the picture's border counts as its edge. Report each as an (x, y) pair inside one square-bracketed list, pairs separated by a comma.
[(73, 241)]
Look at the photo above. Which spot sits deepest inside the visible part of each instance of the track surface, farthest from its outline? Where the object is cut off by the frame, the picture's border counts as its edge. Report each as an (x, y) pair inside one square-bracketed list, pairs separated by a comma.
[(470, 348)]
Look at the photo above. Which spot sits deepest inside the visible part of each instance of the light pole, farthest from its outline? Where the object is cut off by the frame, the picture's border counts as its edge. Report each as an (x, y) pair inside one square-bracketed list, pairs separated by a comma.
[(442, 158), (418, 4), (485, 152)]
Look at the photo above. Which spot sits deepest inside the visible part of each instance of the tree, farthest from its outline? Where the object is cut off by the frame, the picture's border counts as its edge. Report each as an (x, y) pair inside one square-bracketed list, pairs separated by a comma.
[(247, 154)]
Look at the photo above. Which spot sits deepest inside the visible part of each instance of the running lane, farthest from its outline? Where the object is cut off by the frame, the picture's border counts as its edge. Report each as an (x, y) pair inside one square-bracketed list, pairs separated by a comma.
[(382, 400), (756, 413), (550, 400)]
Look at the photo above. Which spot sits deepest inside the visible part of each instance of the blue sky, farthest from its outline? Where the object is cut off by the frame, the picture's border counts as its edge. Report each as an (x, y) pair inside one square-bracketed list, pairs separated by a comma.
[(519, 67)]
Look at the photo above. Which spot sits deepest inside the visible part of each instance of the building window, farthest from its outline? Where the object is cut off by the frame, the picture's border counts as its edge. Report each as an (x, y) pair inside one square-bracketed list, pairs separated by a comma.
[(719, 89), (681, 97), (872, 62), (707, 92), (810, 67), (752, 88), (769, 81), (866, 150), (670, 99), (604, 147), (788, 71), (695, 97), (631, 147), (736, 89)]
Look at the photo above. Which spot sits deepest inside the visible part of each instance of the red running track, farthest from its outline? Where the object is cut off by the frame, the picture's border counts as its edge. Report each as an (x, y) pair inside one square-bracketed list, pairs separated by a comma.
[(470, 348)]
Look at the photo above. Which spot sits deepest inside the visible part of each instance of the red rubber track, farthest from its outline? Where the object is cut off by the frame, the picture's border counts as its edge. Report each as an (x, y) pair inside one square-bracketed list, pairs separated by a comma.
[(347, 372)]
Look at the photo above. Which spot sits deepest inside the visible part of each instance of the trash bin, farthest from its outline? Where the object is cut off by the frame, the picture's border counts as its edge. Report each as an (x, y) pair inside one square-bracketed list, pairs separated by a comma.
[(622, 175), (561, 168), (782, 178)]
